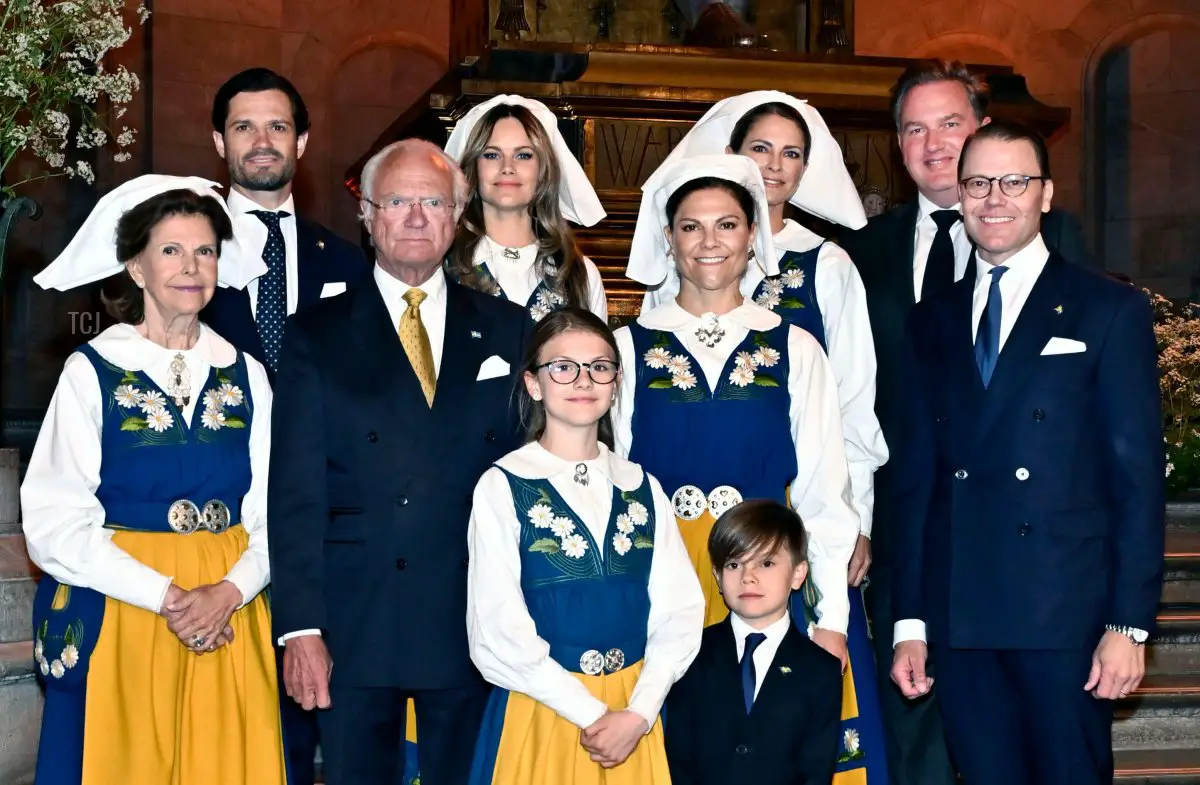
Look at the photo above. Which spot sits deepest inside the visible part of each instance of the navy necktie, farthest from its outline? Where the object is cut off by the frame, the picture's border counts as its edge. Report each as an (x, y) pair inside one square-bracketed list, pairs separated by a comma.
[(987, 337), (939, 267), (748, 675), (271, 308)]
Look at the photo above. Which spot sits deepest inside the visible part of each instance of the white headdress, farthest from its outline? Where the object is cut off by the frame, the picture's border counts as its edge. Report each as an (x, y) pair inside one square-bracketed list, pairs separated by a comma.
[(826, 190), (92, 253), (648, 262), (576, 197)]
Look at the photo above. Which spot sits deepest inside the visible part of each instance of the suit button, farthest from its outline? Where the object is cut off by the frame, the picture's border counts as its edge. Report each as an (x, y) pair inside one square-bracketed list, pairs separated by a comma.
[(1022, 474), (1024, 529), (741, 749), (401, 501), (489, 436), (401, 564), (1039, 415), (941, 419), (372, 437), (961, 474)]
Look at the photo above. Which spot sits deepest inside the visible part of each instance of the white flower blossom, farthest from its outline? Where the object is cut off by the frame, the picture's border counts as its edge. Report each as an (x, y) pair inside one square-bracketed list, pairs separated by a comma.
[(574, 546), (766, 356), (541, 516), (621, 543), (684, 381), (57, 670), (153, 401), (745, 360), (562, 526), (638, 513), (213, 419), (128, 396), (160, 420), (772, 286), (658, 357), (741, 376), (678, 364), (768, 301), (850, 739), (38, 650), (231, 395), (70, 656), (45, 667), (212, 399), (624, 524), (793, 279)]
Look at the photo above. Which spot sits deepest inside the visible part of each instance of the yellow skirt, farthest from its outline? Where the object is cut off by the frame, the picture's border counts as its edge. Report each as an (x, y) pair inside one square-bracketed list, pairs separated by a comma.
[(695, 539), (161, 715), (538, 747)]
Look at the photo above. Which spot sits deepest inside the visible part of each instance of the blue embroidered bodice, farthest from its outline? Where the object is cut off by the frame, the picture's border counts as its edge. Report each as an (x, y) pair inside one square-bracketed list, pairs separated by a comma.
[(793, 293)]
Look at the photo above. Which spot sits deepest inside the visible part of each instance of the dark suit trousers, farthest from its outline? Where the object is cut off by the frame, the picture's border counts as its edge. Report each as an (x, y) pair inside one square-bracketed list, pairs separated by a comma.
[(913, 729), (299, 733), (1023, 716), (362, 734)]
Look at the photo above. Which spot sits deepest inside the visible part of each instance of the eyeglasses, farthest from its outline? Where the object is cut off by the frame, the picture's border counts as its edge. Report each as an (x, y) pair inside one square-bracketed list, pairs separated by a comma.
[(1013, 185), (567, 371), (401, 204)]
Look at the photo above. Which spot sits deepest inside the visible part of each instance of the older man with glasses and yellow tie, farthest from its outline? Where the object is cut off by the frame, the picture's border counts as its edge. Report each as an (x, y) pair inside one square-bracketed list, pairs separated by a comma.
[(392, 400)]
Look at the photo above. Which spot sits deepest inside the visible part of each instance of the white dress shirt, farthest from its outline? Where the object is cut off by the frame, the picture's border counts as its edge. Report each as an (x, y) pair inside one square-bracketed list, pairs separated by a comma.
[(241, 207), (433, 308), (64, 521), (923, 242), (820, 494), (849, 345), (764, 655), (504, 641), (518, 279), (1024, 267)]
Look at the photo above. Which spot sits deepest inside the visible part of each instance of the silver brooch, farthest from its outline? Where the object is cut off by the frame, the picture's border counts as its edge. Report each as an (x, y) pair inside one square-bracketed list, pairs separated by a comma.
[(710, 332), (180, 383), (512, 253), (581, 474)]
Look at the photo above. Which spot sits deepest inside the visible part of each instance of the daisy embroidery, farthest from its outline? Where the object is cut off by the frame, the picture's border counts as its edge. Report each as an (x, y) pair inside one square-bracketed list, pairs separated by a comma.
[(45, 667), (153, 401), (38, 650), (213, 419), (159, 420), (678, 364), (766, 356), (70, 656), (574, 546), (212, 399), (793, 279), (742, 376), (541, 516), (562, 526), (772, 286), (746, 360), (658, 357), (230, 395), (638, 513), (57, 670), (621, 543), (850, 739), (684, 381), (768, 300), (624, 524), (128, 396)]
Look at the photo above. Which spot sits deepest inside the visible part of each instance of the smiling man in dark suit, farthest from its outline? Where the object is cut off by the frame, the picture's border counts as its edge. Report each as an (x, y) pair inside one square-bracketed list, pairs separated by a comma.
[(1031, 469), (260, 127), (390, 403)]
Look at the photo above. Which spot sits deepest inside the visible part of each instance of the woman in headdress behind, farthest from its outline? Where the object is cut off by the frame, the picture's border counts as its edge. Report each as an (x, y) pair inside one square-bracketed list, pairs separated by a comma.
[(514, 239), (145, 506)]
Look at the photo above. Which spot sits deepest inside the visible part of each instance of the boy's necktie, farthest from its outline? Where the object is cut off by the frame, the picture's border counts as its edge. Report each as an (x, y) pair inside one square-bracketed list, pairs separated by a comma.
[(748, 675)]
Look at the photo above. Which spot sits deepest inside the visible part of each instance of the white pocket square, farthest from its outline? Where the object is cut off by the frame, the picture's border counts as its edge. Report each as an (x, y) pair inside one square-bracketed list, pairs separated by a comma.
[(1064, 346), (332, 288), (492, 368)]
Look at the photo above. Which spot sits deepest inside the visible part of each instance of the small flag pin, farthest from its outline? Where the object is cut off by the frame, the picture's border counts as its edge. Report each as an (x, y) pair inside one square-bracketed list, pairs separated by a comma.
[(476, 334), (321, 244), (784, 669)]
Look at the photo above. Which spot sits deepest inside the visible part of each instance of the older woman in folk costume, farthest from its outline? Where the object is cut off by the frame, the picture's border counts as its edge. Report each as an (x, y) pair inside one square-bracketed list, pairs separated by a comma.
[(525, 185), (853, 385), (145, 505)]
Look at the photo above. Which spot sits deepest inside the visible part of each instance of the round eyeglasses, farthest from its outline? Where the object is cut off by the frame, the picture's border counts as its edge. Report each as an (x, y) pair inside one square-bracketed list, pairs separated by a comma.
[(400, 204), (567, 371), (1011, 185)]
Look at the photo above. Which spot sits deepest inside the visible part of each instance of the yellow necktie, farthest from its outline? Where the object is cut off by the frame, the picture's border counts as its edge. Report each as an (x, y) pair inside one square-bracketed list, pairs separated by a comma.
[(415, 341)]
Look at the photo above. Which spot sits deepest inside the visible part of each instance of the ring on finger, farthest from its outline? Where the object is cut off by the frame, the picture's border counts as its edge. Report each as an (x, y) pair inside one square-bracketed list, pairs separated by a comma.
[(197, 641)]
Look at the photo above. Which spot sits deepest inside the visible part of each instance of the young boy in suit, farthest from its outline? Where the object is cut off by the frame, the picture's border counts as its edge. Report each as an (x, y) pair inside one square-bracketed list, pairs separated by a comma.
[(761, 703)]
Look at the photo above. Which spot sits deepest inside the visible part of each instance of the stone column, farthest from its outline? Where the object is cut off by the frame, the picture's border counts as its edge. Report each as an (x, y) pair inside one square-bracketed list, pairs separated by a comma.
[(20, 695)]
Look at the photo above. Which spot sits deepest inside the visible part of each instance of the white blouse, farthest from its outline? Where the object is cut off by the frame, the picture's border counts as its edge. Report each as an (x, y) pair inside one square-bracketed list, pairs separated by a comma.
[(518, 279), (62, 518), (820, 494), (504, 641), (850, 348)]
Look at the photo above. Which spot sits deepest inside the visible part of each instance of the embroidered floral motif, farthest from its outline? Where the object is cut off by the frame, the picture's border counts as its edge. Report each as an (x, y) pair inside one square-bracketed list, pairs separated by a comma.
[(216, 399), (159, 420), (621, 543), (547, 301), (679, 366), (69, 656), (768, 301), (565, 540), (574, 545), (562, 526), (486, 281), (793, 279), (747, 366), (624, 524), (128, 396), (852, 746), (771, 291), (541, 516), (635, 515), (152, 402)]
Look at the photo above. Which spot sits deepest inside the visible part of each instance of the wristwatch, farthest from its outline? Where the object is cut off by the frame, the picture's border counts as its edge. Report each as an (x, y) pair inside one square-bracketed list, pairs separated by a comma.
[(1136, 637)]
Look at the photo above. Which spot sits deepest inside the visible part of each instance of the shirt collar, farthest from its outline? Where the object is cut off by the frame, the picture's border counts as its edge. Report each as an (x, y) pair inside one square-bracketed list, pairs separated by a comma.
[(535, 462), (123, 346), (241, 205), (1026, 263), (928, 208), (774, 632), (672, 318), (393, 289), (795, 237)]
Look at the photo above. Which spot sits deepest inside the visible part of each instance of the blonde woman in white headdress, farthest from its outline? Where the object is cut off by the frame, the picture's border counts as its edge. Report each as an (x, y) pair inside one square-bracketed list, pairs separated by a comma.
[(514, 239), (145, 506)]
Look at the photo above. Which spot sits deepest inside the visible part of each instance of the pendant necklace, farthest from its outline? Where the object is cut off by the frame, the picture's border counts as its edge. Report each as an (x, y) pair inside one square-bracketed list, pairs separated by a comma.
[(710, 332), (581, 474)]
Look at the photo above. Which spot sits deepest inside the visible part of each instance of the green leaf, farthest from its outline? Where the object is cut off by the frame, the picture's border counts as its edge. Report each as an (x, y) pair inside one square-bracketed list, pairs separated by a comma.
[(134, 424), (68, 637), (235, 422), (45, 630), (642, 541), (790, 302), (129, 378), (661, 383), (762, 380), (759, 340), (545, 545), (222, 378)]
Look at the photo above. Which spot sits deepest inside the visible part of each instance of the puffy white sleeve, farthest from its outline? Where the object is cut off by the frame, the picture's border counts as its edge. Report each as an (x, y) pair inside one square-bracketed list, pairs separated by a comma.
[(252, 572), (504, 642), (676, 613), (62, 518), (852, 356), (597, 302), (820, 493), (622, 409)]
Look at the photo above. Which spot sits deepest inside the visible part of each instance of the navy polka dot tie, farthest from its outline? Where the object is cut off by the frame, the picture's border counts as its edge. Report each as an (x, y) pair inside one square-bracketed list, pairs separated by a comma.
[(271, 310)]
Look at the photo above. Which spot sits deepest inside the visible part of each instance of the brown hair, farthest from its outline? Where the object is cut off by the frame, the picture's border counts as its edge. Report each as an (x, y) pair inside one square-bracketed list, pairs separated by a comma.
[(930, 71), (123, 299), (559, 263), (533, 413), (757, 526), (1009, 131), (742, 128)]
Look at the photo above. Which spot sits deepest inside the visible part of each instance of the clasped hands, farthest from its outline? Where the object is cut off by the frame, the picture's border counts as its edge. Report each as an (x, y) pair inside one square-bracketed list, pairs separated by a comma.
[(200, 617), (611, 739)]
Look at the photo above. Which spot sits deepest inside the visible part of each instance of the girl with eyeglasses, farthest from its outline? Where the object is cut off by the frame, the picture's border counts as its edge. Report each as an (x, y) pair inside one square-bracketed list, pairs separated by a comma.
[(582, 606), (514, 240)]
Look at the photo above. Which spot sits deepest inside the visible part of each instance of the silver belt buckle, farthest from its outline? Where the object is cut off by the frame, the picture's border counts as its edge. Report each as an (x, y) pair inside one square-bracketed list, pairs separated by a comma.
[(722, 498), (183, 516), (614, 660), (591, 662), (215, 516), (689, 502)]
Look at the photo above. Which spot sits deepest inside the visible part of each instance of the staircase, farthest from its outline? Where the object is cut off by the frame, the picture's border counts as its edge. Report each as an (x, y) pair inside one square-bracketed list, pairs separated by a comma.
[(20, 696), (1156, 736)]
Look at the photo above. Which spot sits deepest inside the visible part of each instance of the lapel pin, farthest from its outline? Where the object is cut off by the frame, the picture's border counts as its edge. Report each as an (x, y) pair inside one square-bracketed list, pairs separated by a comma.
[(476, 334), (321, 244), (784, 669), (1058, 309)]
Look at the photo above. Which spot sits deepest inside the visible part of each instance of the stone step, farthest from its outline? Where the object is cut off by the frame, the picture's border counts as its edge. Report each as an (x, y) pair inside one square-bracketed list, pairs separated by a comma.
[(1164, 713), (1158, 767), (20, 713), (1181, 568), (17, 586), (1175, 648), (1184, 514)]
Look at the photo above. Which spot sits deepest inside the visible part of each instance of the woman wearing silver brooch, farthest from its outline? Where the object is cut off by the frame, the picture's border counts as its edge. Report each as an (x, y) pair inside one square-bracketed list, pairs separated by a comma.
[(145, 505)]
